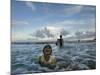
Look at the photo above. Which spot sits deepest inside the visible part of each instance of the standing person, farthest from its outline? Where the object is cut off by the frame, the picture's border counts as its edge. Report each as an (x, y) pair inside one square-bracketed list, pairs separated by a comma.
[(60, 42), (47, 59)]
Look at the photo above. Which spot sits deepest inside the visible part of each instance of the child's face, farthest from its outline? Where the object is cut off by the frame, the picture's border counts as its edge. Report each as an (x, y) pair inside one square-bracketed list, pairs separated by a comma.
[(47, 51)]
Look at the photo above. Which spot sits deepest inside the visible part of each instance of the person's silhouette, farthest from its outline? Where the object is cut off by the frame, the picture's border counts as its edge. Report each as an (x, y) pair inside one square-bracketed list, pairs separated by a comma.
[(60, 41)]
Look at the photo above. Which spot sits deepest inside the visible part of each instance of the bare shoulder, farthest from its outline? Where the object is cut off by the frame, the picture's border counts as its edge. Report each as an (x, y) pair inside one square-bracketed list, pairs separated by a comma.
[(53, 58)]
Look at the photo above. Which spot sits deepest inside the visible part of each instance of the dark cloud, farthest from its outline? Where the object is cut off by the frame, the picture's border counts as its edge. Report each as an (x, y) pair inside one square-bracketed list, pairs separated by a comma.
[(43, 33), (87, 34), (64, 32), (90, 34), (78, 34), (39, 34), (47, 33)]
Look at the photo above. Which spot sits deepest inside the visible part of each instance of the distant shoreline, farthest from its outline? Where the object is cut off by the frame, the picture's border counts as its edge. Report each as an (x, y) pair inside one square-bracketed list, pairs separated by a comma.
[(54, 42)]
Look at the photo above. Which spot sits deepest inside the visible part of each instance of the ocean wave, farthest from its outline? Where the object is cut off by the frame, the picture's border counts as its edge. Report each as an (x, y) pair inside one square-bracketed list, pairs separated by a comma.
[(73, 56)]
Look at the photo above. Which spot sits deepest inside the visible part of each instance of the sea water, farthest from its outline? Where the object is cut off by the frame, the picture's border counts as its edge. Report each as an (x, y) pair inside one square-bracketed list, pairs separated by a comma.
[(73, 56)]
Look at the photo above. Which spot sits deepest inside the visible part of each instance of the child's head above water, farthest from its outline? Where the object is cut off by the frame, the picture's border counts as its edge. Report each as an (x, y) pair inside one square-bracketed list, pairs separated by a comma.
[(47, 50), (47, 58)]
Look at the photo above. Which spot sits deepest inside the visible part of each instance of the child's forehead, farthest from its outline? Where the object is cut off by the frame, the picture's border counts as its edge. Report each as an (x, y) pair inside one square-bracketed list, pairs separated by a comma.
[(48, 48)]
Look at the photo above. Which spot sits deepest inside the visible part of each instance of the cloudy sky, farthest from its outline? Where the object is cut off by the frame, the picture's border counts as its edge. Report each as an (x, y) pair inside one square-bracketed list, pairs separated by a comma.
[(45, 21)]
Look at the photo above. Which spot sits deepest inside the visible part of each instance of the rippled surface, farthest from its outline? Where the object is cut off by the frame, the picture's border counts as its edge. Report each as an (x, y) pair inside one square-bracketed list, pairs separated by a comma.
[(73, 56)]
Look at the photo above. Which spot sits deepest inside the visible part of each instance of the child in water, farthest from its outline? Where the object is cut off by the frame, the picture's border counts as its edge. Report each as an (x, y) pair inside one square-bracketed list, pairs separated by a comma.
[(47, 59)]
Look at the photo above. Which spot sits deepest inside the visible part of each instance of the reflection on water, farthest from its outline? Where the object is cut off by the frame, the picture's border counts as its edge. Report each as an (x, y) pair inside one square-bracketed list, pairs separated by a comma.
[(73, 56)]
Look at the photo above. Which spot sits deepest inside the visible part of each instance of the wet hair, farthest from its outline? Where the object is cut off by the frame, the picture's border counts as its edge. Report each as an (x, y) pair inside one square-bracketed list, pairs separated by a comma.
[(60, 36), (47, 46)]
